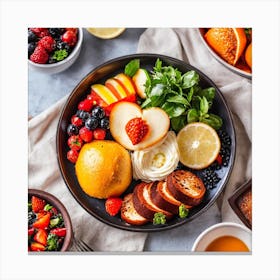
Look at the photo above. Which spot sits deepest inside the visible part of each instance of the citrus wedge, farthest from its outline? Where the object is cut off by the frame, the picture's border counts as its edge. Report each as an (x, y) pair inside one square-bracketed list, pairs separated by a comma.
[(199, 145), (228, 43), (105, 33)]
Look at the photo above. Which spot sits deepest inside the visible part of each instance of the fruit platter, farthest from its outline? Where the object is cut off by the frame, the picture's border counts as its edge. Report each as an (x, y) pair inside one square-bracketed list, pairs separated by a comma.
[(145, 142)]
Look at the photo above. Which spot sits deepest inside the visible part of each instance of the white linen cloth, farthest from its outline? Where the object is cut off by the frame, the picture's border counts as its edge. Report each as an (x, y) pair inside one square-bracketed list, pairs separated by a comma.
[(184, 44)]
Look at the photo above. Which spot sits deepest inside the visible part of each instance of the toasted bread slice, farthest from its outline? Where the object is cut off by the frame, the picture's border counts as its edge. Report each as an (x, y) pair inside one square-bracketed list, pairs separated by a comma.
[(143, 203), (186, 187), (129, 214)]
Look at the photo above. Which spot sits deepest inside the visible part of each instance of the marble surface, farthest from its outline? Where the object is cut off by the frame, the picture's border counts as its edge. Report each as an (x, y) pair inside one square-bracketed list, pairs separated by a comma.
[(45, 89)]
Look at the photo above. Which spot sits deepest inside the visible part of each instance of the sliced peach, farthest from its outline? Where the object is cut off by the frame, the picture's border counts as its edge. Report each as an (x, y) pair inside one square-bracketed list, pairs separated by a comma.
[(126, 82), (104, 93), (116, 88), (157, 120)]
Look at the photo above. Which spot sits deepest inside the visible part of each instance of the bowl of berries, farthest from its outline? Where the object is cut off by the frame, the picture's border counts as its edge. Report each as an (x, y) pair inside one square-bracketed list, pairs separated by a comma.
[(49, 223), (53, 50)]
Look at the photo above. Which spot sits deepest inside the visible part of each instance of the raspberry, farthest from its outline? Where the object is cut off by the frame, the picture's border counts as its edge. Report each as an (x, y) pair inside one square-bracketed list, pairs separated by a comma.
[(40, 32), (47, 43), (136, 130), (39, 55), (113, 205)]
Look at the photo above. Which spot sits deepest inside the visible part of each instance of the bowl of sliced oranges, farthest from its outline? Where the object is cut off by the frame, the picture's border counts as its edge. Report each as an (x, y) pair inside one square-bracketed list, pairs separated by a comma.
[(232, 47)]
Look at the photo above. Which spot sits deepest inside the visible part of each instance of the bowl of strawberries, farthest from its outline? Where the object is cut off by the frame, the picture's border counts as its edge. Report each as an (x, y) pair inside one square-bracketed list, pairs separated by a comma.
[(53, 50), (49, 223)]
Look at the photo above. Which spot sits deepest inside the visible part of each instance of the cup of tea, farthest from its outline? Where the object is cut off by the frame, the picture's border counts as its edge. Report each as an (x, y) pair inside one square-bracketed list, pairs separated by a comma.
[(224, 237)]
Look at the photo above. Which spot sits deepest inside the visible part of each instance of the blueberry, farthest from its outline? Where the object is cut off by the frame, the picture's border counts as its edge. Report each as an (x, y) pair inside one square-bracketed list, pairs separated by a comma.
[(31, 36), (55, 32), (98, 112), (91, 123), (104, 123), (60, 45), (31, 48), (83, 115), (72, 130)]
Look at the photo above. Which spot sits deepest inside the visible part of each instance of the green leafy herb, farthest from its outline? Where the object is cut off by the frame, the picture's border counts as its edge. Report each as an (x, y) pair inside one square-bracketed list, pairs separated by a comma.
[(60, 55), (29, 206), (179, 95), (52, 242), (48, 207), (56, 221), (159, 219), (183, 211), (132, 67)]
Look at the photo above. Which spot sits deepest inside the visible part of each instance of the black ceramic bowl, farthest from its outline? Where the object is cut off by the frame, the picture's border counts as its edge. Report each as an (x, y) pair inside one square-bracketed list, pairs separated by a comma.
[(96, 206)]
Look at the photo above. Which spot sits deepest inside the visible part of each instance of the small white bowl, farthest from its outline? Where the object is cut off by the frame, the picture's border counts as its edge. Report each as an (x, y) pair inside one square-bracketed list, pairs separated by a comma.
[(62, 65), (222, 229)]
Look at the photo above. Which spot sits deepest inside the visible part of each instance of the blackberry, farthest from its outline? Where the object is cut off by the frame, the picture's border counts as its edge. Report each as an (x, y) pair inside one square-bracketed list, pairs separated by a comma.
[(31, 218), (72, 130), (60, 45), (210, 178), (31, 36), (56, 32), (91, 123), (98, 112), (31, 48), (225, 153), (104, 123)]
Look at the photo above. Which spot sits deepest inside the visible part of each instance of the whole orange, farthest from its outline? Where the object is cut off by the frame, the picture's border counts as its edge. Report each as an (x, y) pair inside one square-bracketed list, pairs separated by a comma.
[(248, 55)]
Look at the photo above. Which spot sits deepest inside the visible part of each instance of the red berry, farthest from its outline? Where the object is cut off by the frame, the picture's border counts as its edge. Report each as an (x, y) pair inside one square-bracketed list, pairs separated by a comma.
[(41, 236), (47, 42), (72, 155), (75, 30), (113, 205), (59, 231), (86, 134), (39, 55), (136, 130), (99, 134), (43, 222), (75, 120), (75, 142), (40, 32), (35, 246), (219, 159), (70, 38), (37, 204), (85, 105)]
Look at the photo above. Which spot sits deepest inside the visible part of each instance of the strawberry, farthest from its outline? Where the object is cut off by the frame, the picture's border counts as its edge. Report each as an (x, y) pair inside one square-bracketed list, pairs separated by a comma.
[(35, 246), (219, 159), (99, 134), (72, 155), (43, 222), (70, 38), (61, 232), (75, 120), (86, 134), (40, 32), (31, 231), (85, 105), (47, 42), (113, 205), (136, 130), (37, 203), (75, 142), (41, 236), (39, 55)]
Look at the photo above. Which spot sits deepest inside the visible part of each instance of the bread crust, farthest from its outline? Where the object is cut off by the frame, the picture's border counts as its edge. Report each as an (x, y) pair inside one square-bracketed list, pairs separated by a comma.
[(186, 187)]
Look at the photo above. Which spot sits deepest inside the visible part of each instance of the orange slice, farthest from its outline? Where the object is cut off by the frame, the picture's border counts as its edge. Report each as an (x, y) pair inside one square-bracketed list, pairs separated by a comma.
[(105, 33), (228, 43), (199, 145), (248, 55)]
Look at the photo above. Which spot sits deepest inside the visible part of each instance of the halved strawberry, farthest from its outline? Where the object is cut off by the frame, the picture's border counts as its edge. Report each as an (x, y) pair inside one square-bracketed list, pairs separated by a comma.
[(41, 236), (113, 205), (35, 246), (136, 130), (37, 203), (43, 222)]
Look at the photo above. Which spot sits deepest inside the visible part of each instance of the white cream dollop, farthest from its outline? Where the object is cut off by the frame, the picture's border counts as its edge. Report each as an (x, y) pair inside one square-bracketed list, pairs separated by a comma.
[(158, 162)]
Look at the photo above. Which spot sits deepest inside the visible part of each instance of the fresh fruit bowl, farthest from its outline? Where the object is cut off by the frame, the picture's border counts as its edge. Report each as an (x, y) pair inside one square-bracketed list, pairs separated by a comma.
[(49, 223), (241, 67), (54, 52), (97, 206)]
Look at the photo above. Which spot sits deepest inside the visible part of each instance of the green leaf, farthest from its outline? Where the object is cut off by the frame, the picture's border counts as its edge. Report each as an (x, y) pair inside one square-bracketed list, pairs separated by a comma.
[(173, 109), (192, 115), (183, 211), (189, 79), (158, 65), (147, 103), (132, 67), (203, 106), (159, 219), (178, 99), (178, 123), (157, 90), (48, 207), (213, 120), (60, 55), (209, 93)]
